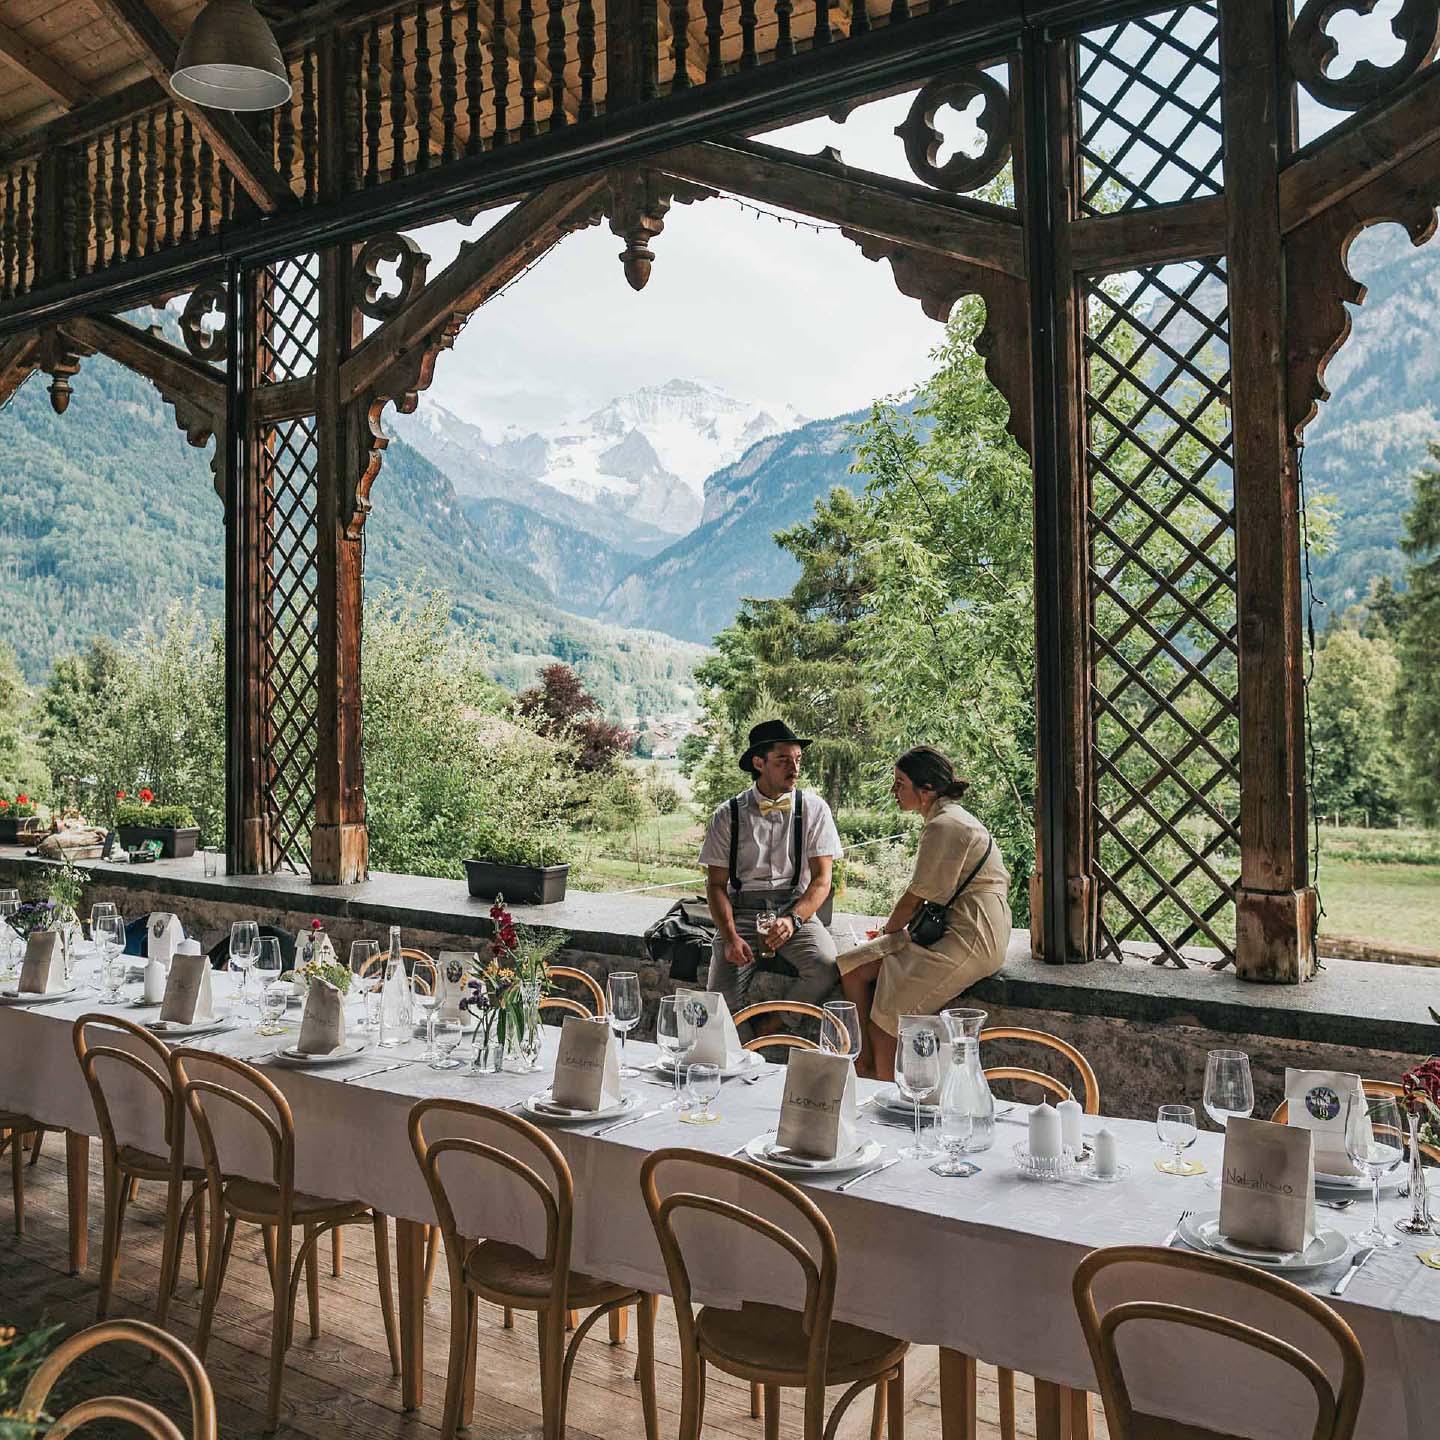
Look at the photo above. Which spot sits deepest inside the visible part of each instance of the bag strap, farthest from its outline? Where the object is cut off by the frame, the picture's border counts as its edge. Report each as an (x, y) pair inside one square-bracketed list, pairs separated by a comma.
[(799, 819), (980, 864), (735, 843)]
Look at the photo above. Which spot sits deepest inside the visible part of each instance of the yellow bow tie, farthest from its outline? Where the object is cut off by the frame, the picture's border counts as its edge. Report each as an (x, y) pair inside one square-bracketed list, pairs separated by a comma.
[(766, 806)]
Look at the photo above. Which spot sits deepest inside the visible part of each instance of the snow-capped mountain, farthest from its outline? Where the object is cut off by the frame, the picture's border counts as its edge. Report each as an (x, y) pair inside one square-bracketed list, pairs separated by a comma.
[(643, 456)]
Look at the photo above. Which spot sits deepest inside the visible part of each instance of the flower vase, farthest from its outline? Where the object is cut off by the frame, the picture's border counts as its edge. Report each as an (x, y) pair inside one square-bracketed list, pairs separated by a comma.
[(522, 1030), (489, 1053), (1419, 1222)]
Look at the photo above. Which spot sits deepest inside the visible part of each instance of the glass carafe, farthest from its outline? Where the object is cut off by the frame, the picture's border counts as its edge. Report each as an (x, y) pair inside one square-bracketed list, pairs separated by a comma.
[(967, 1091)]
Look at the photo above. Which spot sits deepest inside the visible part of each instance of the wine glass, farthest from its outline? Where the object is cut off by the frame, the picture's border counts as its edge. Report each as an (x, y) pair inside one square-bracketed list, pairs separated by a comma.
[(1229, 1090), (917, 1075), (109, 935), (1374, 1142), (244, 947), (623, 991), (426, 999), (445, 1034), (702, 1085), (1175, 1124), (366, 973), (98, 911), (840, 1030), (274, 995), (672, 1036)]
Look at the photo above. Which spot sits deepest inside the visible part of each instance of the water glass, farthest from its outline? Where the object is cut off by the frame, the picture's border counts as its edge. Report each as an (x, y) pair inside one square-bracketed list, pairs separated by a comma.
[(426, 998), (244, 947), (765, 922), (623, 992), (1229, 1088), (9, 904), (210, 861), (917, 1076), (702, 1085), (365, 970), (673, 1037), (840, 1029), (99, 911), (1175, 1124), (1374, 1141), (274, 996), (445, 1035), (109, 934)]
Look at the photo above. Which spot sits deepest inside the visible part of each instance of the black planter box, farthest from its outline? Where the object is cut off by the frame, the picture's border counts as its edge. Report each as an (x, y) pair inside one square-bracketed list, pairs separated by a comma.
[(519, 884), (22, 830), (179, 844)]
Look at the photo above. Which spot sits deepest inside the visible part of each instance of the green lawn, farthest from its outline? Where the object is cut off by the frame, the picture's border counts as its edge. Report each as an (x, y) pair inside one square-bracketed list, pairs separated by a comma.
[(1400, 903)]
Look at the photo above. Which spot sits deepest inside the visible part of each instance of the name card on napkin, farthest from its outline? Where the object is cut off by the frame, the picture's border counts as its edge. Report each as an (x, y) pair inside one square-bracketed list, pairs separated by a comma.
[(817, 1115), (42, 970), (322, 1026), (587, 1069), (1317, 1100), (455, 968), (705, 1021), (163, 936), (1267, 1185), (187, 988)]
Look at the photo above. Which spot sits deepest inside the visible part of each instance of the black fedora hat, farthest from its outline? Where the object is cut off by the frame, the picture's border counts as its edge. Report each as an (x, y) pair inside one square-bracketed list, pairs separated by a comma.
[(768, 732)]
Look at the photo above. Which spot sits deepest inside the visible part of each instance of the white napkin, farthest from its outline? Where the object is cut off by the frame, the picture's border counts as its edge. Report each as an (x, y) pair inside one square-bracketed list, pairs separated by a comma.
[(456, 967), (1267, 1185), (1316, 1102), (817, 1115), (587, 1069), (322, 1027), (187, 989), (706, 1019), (42, 972)]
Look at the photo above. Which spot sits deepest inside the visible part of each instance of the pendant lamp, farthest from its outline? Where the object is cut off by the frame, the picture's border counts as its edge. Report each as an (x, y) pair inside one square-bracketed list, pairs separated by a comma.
[(230, 61)]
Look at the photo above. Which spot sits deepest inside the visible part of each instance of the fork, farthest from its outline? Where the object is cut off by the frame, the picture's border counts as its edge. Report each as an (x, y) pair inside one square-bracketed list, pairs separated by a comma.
[(1174, 1235)]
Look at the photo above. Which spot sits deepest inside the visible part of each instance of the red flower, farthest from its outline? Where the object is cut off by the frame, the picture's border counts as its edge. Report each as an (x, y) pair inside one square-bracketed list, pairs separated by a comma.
[(4, 804), (22, 799), (119, 794), (146, 796), (1422, 1085), (315, 925)]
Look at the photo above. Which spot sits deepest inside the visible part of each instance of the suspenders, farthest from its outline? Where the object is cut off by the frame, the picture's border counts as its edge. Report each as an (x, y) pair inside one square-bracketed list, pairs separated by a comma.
[(799, 846)]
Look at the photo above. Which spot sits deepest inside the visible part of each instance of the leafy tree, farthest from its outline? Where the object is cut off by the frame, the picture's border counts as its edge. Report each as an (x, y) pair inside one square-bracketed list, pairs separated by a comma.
[(21, 767), (1418, 715), (564, 709), (1352, 696)]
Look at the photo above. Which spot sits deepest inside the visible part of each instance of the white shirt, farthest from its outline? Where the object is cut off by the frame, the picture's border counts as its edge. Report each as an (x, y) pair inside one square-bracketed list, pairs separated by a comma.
[(766, 852)]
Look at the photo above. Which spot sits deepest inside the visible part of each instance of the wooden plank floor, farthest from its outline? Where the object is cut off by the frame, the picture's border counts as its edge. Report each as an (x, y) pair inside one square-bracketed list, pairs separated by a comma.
[(341, 1383)]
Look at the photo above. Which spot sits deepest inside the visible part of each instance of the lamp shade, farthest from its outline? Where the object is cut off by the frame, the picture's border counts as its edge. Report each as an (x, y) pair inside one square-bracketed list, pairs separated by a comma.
[(230, 61)]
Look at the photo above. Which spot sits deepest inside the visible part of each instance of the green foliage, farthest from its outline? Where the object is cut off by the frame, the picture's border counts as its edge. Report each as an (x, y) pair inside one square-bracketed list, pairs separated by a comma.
[(1418, 717), (154, 817), (22, 770), (20, 1356)]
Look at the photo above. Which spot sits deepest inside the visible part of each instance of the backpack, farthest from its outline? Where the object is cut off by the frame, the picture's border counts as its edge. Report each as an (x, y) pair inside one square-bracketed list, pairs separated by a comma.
[(681, 938)]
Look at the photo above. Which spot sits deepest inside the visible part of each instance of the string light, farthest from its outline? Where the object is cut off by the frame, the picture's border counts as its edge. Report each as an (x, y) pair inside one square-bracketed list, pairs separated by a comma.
[(760, 213)]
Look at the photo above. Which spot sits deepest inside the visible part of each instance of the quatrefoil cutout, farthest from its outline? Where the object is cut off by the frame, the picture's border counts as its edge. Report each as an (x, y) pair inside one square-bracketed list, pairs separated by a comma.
[(923, 142), (1312, 49), (205, 342), (377, 254)]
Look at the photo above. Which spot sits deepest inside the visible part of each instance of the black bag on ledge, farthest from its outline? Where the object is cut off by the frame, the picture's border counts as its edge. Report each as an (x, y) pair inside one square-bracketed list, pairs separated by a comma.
[(681, 938)]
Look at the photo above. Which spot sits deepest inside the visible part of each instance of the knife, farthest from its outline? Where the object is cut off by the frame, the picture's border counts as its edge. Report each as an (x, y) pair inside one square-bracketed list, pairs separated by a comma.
[(1356, 1261), (866, 1174)]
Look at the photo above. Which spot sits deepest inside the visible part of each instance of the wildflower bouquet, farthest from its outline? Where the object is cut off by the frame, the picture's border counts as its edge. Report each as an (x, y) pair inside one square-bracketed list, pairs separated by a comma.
[(506, 986), (1421, 1098)]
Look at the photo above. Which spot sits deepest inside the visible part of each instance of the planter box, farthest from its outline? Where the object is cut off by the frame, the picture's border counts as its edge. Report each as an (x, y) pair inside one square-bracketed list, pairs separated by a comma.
[(179, 844), (22, 831), (519, 884)]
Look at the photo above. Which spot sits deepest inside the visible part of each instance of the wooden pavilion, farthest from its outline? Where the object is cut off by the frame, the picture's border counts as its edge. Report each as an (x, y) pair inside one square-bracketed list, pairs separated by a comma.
[(1168, 230)]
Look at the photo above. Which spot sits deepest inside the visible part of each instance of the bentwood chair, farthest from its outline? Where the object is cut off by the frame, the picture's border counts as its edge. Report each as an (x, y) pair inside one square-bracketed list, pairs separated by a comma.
[(13, 1130), (770, 1345), (126, 1165), (1089, 1098), (1336, 1409), (139, 1413), (244, 1095), (1371, 1087), (591, 1007), (510, 1275)]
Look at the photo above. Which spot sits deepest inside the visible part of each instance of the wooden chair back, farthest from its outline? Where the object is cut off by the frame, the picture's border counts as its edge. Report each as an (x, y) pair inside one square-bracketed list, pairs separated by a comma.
[(126, 1408), (1388, 1088), (784, 1040), (414, 960), (1336, 1410), (152, 1065), (1089, 1096), (594, 1001)]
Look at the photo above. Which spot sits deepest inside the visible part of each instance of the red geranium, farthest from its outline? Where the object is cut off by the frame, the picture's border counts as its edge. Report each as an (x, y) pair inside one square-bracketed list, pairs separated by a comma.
[(146, 796), (22, 799), (4, 804), (119, 794)]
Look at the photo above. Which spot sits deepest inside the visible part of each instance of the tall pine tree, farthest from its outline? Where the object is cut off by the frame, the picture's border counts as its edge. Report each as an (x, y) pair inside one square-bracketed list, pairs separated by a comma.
[(1419, 648)]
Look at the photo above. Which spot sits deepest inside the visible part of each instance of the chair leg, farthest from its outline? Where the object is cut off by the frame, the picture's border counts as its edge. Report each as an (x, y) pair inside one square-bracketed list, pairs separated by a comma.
[(221, 1233), (754, 1399), (35, 1144), (1005, 1383), (507, 1319), (472, 1349), (645, 1343), (267, 1237), (957, 1395), (170, 1250), (134, 1188), (895, 1405), (17, 1180), (116, 1187), (282, 1319), (772, 1412), (381, 1227), (877, 1413), (197, 1189), (619, 1325), (312, 1283), (337, 1251), (432, 1254), (549, 1380), (455, 1371)]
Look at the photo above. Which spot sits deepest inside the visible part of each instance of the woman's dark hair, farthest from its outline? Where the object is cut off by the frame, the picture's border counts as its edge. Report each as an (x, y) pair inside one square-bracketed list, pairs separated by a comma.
[(930, 769)]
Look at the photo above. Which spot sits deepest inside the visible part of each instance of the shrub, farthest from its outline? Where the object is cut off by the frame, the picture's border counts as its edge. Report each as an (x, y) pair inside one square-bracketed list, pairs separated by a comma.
[(155, 817)]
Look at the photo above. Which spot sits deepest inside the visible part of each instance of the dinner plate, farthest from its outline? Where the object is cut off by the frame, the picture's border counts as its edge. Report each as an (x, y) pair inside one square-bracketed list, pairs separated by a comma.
[(168, 1030), (759, 1150), (1203, 1233), (299, 1060), (892, 1100), (540, 1108), (14, 997), (753, 1061), (1348, 1185)]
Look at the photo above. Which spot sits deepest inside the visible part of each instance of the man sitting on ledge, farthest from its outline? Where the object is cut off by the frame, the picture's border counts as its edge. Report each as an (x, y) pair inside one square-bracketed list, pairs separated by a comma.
[(771, 849)]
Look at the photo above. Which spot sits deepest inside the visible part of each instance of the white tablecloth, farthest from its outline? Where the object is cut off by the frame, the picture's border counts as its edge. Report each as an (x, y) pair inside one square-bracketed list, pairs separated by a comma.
[(982, 1265)]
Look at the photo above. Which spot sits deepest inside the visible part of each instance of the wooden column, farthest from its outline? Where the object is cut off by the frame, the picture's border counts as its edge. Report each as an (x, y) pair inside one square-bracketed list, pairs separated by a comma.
[(1275, 906), (1063, 884), (339, 842)]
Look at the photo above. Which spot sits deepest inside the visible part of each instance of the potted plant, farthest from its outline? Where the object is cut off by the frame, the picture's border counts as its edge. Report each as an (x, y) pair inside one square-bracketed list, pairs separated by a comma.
[(20, 820), (530, 866), (142, 819)]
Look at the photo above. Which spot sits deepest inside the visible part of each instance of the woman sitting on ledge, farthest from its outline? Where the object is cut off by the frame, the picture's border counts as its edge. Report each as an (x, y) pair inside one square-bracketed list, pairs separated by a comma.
[(957, 866)]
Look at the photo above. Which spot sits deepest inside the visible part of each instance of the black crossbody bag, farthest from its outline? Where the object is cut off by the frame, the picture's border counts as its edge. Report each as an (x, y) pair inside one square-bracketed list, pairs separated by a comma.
[(928, 923)]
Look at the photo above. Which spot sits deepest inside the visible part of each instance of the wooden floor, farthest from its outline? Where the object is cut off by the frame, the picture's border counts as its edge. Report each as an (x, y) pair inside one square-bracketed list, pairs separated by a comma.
[(341, 1383)]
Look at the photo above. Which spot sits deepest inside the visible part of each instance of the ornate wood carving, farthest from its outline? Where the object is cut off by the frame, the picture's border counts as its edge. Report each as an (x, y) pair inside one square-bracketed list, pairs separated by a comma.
[(411, 263), (1416, 25), (636, 202), (958, 88), (205, 342), (59, 357)]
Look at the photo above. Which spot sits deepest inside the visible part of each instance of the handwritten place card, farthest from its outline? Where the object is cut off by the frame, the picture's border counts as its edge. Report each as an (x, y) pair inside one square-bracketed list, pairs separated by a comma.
[(187, 988), (706, 1023), (42, 972), (322, 1026), (587, 1069), (1316, 1101), (817, 1115), (1267, 1185)]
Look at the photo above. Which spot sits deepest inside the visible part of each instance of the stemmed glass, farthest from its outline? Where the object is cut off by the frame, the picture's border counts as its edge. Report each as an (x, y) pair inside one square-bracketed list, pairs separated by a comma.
[(702, 1085), (917, 1074), (623, 992), (426, 999), (674, 1036), (1229, 1090), (1175, 1124), (840, 1030), (9, 904), (366, 976), (274, 995), (109, 934), (1374, 1141), (445, 1035), (244, 947), (99, 911)]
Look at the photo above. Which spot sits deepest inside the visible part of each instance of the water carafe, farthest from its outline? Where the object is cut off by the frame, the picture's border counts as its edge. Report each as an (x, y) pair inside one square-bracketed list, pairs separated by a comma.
[(967, 1106)]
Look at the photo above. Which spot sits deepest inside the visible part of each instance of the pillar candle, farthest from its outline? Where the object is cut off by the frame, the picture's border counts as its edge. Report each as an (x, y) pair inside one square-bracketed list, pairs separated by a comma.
[(1071, 1136), (1106, 1160), (1044, 1132)]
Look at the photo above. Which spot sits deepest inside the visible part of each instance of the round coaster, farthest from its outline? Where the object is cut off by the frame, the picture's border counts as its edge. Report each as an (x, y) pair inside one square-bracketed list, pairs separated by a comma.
[(1430, 1258), (1186, 1167)]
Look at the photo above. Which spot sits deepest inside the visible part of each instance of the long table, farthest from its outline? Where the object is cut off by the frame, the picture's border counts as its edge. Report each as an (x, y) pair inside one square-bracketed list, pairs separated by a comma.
[(980, 1267)]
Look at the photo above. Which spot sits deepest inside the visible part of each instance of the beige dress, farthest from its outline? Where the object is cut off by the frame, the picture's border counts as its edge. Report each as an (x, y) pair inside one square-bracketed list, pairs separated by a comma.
[(914, 979)]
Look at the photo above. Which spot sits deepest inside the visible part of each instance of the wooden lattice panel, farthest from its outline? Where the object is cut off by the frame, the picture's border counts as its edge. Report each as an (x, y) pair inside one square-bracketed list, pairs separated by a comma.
[(1149, 102), (289, 320), (1162, 581)]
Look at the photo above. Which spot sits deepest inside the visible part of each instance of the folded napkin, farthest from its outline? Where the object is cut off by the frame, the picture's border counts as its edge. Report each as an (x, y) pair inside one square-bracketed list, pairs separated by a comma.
[(706, 1024), (187, 988), (1316, 1101), (43, 971), (322, 1027), (455, 969), (587, 1069), (1267, 1185), (817, 1115)]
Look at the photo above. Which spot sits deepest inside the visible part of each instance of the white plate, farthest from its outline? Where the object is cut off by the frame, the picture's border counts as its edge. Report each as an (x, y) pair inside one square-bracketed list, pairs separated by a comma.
[(1203, 1233), (758, 1150), (167, 1030), (892, 1100), (1347, 1185), (753, 1061), (537, 1108), (13, 997), (298, 1060)]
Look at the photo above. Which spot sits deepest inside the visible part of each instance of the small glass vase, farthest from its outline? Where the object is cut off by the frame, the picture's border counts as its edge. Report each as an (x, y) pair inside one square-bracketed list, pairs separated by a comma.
[(489, 1054), (1418, 1222), (522, 1031)]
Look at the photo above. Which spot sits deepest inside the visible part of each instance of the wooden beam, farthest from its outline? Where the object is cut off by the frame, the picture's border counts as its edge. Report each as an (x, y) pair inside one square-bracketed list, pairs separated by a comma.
[(174, 373), (840, 194), (482, 267), (36, 65), (17, 360), (157, 48), (1361, 150), (1190, 230)]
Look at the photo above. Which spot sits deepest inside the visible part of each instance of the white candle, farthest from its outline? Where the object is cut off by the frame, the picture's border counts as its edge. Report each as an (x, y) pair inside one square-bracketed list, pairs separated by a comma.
[(1106, 1162), (1071, 1137), (1044, 1132)]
